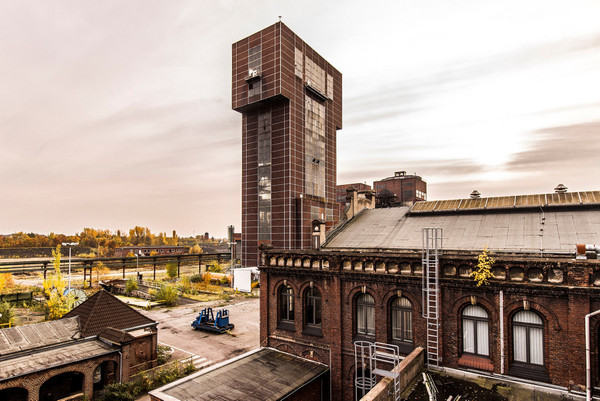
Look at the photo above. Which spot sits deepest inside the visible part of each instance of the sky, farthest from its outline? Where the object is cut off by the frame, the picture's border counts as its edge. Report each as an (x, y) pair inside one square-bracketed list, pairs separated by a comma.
[(118, 113)]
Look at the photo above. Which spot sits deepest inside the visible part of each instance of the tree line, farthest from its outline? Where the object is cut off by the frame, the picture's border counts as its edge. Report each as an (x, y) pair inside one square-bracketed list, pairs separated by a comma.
[(104, 241)]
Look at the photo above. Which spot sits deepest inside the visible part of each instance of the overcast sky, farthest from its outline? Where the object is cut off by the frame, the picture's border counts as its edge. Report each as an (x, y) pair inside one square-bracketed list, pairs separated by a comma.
[(118, 113)]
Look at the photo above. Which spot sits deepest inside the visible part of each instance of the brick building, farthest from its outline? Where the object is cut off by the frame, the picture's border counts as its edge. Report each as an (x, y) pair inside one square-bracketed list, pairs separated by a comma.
[(290, 99), (407, 188), (366, 283), (102, 341), (150, 250)]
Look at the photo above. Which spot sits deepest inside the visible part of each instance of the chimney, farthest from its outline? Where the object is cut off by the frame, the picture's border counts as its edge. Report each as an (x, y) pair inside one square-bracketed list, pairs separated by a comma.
[(560, 189), (475, 194), (358, 200)]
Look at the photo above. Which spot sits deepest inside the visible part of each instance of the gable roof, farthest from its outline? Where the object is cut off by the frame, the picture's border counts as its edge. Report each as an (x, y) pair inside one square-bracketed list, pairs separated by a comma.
[(104, 310)]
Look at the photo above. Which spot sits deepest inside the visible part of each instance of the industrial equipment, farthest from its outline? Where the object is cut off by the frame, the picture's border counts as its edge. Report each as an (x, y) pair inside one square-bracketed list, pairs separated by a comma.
[(207, 322)]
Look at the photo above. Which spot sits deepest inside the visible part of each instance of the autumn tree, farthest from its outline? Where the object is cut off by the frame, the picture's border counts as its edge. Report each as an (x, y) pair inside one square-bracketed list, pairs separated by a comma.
[(58, 303)]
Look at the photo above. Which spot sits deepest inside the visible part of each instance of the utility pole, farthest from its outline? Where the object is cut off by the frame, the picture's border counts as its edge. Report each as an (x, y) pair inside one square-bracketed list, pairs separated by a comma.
[(70, 244)]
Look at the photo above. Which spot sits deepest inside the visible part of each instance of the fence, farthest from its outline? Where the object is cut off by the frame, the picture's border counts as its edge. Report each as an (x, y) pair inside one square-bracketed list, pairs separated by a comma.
[(122, 263)]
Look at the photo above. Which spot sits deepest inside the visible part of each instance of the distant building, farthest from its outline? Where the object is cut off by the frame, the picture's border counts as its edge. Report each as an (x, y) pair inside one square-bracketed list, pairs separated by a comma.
[(148, 250), (290, 99), (102, 341), (404, 189)]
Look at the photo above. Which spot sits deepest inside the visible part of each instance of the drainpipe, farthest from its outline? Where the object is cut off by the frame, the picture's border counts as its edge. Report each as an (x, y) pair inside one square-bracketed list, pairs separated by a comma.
[(588, 357), (121, 368), (501, 332)]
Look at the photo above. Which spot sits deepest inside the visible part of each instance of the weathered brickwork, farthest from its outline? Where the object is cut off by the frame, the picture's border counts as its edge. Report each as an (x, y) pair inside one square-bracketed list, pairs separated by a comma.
[(33, 382), (559, 290)]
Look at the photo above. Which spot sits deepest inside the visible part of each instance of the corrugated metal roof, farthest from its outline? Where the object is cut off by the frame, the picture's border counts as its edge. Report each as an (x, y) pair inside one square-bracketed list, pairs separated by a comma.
[(23, 338), (553, 231), (509, 202), (26, 362)]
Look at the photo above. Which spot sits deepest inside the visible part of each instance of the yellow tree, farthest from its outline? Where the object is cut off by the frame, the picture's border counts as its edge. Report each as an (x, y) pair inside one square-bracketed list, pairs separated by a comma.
[(58, 303), (483, 271)]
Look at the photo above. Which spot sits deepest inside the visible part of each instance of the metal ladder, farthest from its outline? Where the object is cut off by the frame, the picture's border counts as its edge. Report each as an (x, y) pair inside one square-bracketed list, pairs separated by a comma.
[(387, 354), (432, 245)]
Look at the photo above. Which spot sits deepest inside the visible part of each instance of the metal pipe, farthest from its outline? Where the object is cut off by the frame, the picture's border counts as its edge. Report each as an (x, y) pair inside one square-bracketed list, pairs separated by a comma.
[(588, 357), (121, 368), (501, 332)]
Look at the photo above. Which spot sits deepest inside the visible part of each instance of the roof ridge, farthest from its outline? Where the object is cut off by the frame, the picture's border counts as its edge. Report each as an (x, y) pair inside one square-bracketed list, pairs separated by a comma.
[(129, 307), (96, 298)]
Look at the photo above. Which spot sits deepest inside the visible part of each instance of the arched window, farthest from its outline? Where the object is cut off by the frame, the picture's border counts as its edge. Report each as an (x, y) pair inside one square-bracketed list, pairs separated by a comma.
[(286, 304), (528, 338), (475, 323), (365, 315), (312, 307), (402, 320)]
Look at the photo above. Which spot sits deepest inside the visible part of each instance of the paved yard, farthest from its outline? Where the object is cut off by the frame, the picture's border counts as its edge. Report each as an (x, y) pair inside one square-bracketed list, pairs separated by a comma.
[(175, 330)]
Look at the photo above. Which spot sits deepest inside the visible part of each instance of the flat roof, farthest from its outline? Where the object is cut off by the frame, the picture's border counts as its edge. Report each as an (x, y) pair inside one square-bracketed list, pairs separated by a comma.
[(261, 375)]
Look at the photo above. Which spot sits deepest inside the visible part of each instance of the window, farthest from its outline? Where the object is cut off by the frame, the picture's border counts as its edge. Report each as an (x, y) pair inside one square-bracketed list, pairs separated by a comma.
[(314, 137), (264, 176), (402, 320), (299, 63), (254, 69), (475, 323), (312, 307), (286, 304), (365, 315), (528, 338)]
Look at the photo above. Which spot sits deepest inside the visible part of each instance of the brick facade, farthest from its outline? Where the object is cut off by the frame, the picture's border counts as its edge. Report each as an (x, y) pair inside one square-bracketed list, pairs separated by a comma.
[(559, 290), (34, 381)]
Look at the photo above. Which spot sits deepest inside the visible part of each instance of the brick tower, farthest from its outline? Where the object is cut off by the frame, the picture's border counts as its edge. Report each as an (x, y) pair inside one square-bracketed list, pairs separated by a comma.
[(291, 103)]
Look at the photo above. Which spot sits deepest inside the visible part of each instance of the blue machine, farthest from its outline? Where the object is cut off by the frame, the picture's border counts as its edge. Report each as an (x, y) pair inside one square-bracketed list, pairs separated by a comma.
[(207, 322)]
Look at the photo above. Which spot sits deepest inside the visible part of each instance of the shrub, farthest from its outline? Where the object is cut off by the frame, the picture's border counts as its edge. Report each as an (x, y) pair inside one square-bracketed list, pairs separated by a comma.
[(118, 392), (164, 354), (167, 294), (196, 278), (185, 285), (6, 313), (215, 268), (206, 277), (172, 270), (225, 280), (131, 285)]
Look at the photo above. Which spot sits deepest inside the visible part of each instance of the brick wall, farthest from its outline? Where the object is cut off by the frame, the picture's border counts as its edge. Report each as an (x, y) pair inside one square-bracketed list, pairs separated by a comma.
[(34, 381), (560, 292)]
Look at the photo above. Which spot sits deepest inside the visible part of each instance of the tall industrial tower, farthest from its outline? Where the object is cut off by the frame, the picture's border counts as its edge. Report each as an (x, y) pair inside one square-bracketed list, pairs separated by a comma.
[(291, 103)]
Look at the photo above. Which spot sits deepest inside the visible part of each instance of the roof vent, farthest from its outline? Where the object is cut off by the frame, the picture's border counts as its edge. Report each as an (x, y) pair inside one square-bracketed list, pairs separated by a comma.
[(400, 173), (475, 194), (560, 189)]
